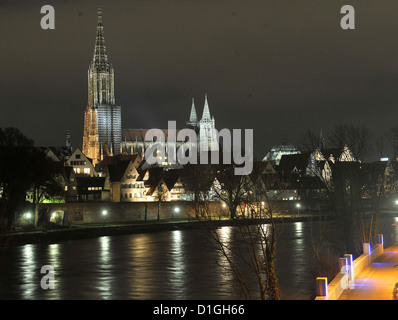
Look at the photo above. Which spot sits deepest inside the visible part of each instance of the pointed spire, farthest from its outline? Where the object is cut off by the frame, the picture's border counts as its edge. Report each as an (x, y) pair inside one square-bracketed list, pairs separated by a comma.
[(206, 111), (99, 15), (100, 59), (193, 118)]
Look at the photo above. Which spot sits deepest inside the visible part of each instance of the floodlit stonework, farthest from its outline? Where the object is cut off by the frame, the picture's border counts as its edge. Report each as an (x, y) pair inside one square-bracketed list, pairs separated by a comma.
[(102, 118)]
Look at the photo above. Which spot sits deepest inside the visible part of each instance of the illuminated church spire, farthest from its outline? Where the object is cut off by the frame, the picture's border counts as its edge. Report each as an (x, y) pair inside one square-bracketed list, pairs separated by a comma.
[(206, 111), (193, 118), (100, 72), (102, 119), (207, 130), (100, 59)]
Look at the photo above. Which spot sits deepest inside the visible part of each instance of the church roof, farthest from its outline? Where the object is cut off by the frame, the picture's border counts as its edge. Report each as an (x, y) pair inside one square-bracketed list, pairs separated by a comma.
[(139, 134)]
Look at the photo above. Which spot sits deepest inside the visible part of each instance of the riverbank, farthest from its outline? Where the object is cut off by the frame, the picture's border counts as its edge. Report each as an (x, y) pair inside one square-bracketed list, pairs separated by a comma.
[(90, 231)]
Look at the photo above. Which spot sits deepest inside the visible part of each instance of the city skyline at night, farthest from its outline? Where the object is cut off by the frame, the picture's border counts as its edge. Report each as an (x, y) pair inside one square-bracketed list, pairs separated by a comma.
[(277, 68)]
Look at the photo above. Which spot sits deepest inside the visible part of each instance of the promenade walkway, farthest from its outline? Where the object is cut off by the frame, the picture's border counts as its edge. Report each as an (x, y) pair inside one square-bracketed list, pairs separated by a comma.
[(376, 281)]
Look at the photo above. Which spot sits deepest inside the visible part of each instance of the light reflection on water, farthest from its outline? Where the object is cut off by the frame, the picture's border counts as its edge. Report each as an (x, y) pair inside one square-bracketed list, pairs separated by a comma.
[(55, 261), (179, 264), (105, 268), (28, 271)]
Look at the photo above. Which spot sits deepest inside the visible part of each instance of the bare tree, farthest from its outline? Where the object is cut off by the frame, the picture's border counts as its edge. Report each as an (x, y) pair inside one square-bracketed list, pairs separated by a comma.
[(358, 138), (392, 138), (197, 180), (309, 141), (255, 258), (380, 146)]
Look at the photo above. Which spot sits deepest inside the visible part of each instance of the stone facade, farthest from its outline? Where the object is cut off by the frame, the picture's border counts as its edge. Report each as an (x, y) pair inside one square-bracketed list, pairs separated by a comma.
[(102, 118)]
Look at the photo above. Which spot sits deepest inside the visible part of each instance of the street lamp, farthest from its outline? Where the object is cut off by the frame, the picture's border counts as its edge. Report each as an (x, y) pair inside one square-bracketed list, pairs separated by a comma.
[(53, 216), (298, 206), (104, 213), (176, 210)]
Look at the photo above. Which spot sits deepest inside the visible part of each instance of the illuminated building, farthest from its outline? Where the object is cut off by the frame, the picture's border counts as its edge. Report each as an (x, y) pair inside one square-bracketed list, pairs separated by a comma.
[(206, 128), (276, 153), (102, 118), (133, 140)]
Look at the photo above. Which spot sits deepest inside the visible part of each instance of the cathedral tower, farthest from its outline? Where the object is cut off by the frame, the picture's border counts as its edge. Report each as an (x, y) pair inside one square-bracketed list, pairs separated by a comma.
[(102, 118), (207, 130)]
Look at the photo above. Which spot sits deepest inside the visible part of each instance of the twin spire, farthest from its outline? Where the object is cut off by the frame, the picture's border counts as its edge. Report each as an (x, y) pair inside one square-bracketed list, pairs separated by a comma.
[(193, 118)]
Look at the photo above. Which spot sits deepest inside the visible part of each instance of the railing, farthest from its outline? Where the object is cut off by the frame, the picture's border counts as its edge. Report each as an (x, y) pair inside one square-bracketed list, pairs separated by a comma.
[(349, 269)]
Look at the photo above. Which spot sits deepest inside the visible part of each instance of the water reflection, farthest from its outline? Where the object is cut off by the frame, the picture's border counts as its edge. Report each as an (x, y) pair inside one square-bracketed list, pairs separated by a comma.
[(55, 262), (224, 233), (28, 272), (140, 265), (178, 267), (179, 264), (105, 268)]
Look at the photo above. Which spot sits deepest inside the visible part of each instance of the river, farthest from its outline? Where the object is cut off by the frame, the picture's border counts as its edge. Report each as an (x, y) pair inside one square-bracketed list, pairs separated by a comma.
[(179, 264)]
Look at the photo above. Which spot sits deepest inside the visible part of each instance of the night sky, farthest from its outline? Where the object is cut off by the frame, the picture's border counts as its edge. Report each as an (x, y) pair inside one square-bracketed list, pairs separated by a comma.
[(278, 67)]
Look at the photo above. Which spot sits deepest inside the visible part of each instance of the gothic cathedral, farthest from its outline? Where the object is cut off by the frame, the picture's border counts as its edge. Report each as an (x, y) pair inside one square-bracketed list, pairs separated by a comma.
[(102, 118), (103, 134)]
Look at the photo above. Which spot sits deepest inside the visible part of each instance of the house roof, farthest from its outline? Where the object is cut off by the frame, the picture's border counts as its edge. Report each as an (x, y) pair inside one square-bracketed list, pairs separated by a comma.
[(116, 170), (62, 153), (156, 175), (289, 163), (111, 160)]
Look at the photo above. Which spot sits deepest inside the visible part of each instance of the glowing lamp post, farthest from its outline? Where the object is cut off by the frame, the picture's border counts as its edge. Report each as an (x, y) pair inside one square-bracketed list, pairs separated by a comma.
[(28, 217), (298, 206), (104, 214), (176, 210)]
